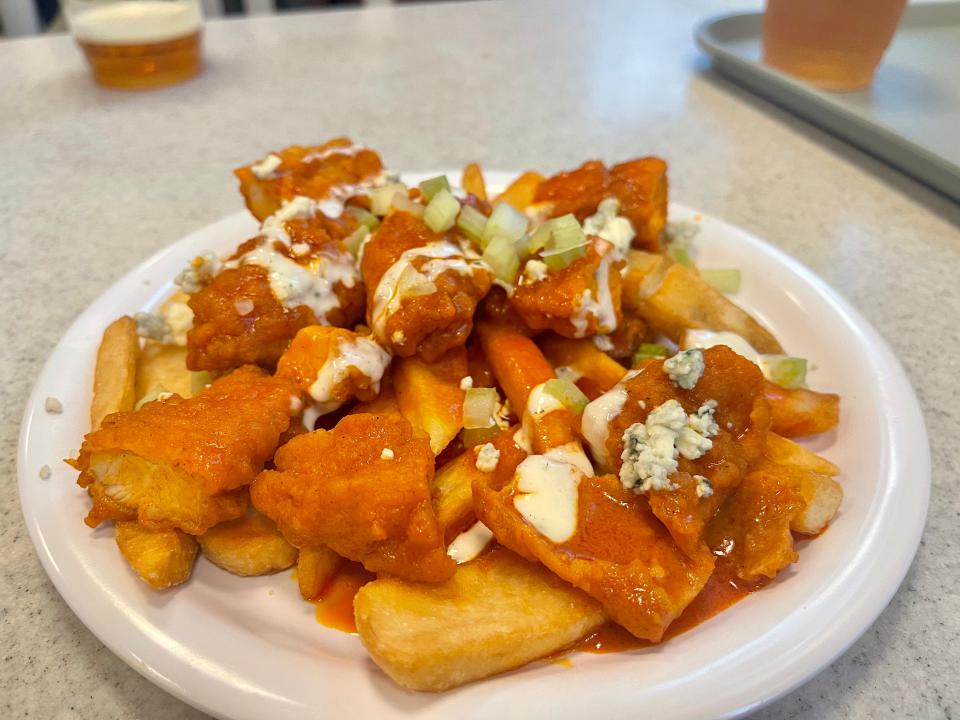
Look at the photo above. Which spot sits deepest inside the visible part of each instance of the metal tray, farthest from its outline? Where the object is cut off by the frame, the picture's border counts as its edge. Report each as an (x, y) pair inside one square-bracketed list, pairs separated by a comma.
[(910, 117)]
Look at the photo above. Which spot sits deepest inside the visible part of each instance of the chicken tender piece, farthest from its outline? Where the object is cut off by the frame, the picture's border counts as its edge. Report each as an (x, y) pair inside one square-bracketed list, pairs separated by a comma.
[(322, 171), (422, 291), (639, 185), (333, 365), (248, 546), (579, 300), (161, 558), (363, 489), (181, 463), (270, 289), (496, 613), (619, 554)]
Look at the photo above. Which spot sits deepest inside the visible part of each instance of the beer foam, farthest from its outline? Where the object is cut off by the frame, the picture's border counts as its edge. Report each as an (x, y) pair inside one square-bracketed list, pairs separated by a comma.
[(136, 21)]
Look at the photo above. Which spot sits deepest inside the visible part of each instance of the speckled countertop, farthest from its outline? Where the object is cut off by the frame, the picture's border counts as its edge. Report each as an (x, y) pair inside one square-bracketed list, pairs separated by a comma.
[(94, 181)]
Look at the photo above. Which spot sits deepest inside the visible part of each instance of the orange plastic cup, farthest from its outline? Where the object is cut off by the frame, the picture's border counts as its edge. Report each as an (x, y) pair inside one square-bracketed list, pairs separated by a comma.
[(833, 44)]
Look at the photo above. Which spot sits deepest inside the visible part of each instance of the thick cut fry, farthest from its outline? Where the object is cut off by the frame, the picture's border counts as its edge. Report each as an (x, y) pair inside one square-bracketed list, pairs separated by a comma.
[(801, 412), (248, 546), (495, 614), (115, 374), (315, 566), (684, 301), (161, 558), (473, 181), (429, 395), (822, 496), (782, 451), (520, 192), (163, 366), (452, 485), (517, 362), (583, 357)]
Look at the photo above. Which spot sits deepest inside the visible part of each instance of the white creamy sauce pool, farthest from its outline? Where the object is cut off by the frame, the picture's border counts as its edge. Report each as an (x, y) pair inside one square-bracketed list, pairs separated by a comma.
[(704, 339), (363, 354), (470, 543), (547, 495), (595, 423), (402, 280)]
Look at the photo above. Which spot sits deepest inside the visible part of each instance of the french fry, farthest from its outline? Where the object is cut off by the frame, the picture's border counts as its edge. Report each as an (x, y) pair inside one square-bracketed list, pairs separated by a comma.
[(519, 194), (429, 394), (683, 300), (315, 567), (163, 366), (473, 181), (782, 451), (162, 558), (495, 614), (248, 546), (583, 357), (517, 362), (800, 412), (822, 496), (115, 374)]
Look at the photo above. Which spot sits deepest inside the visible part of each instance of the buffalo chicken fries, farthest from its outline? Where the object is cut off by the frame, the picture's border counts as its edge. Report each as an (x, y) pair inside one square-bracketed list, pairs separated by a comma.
[(518, 423)]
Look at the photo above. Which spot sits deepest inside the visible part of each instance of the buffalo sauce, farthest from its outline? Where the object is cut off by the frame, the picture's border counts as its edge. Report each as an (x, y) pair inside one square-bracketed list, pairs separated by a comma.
[(720, 592), (334, 604)]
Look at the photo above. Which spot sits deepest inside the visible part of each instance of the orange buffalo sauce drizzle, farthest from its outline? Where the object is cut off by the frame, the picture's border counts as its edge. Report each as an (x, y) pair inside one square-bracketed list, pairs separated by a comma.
[(334, 605), (717, 595)]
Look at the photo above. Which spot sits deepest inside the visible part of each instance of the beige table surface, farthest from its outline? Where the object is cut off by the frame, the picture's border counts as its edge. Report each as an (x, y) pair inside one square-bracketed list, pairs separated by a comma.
[(94, 181)]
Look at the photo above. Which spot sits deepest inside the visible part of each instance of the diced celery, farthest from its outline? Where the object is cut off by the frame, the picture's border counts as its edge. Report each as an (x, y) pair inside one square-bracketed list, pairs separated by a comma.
[(566, 232), (522, 246), (501, 255), (402, 201), (199, 380), (442, 211), (476, 436), (567, 393), (681, 256), (540, 239), (472, 222), (479, 407), (787, 372), (646, 351), (354, 240), (559, 259), (726, 280), (431, 187), (364, 217), (505, 222), (381, 198), (155, 392)]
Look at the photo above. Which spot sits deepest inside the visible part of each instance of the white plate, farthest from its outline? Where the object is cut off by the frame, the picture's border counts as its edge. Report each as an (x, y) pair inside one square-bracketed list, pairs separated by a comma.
[(250, 649)]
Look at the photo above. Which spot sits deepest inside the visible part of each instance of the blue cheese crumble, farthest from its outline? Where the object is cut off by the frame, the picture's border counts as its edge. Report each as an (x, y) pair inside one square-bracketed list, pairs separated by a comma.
[(704, 488), (685, 368), (651, 448), (198, 272)]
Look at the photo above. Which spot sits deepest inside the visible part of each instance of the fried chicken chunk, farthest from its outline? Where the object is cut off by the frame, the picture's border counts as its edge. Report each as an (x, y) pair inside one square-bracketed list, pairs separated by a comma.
[(271, 288), (183, 464), (579, 300), (422, 291), (620, 554), (363, 489), (639, 185), (333, 365), (161, 558), (330, 170)]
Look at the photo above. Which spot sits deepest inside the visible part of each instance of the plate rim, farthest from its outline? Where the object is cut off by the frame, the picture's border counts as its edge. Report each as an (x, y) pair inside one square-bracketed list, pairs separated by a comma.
[(813, 657)]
